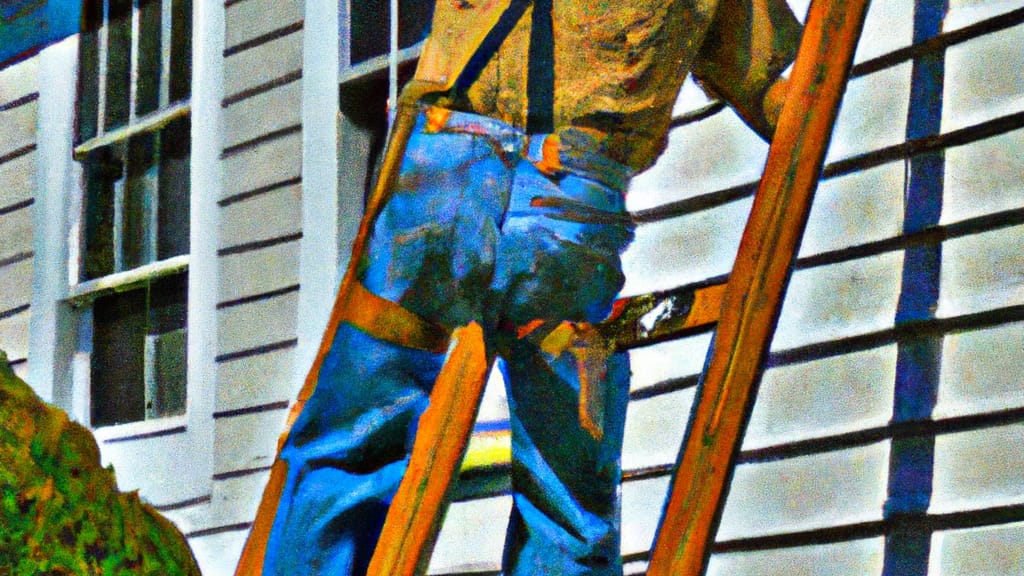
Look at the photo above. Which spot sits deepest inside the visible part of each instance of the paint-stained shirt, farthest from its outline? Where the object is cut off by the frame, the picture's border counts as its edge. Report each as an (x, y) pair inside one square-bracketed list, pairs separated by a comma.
[(618, 66)]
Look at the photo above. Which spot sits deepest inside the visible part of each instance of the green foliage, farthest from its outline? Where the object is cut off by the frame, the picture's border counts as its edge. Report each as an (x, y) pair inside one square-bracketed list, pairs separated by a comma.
[(60, 511)]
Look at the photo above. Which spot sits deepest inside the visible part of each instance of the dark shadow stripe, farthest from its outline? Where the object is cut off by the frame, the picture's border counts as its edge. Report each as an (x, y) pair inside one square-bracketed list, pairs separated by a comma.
[(241, 473), (240, 527), (17, 362), (258, 297), (260, 40), (14, 154), (17, 206), (254, 142), (15, 258), (282, 405), (940, 42), (19, 102), (695, 204), (257, 351), (666, 387), (261, 88), (258, 245), (230, 3), (697, 115), (184, 503), (930, 235), (242, 196), (146, 435), (14, 311)]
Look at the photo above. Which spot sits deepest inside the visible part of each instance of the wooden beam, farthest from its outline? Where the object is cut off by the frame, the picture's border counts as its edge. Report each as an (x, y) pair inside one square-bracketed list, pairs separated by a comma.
[(753, 296)]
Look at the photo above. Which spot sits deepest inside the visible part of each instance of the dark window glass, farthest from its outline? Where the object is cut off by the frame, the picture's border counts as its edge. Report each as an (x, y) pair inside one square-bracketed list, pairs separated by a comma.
[(118, 358), (103, 170), (371, 36), (89, 68), (147, 89), (181, 50), (119, 49), (173, 203), (166, 347), (140, 190)]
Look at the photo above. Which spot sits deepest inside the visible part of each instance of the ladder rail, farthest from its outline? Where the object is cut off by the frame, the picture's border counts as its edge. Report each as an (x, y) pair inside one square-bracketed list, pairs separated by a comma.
[(753, 296)]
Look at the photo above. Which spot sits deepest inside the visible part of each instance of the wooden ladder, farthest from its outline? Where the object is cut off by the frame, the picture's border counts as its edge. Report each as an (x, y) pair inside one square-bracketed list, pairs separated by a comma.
[(745, 308)]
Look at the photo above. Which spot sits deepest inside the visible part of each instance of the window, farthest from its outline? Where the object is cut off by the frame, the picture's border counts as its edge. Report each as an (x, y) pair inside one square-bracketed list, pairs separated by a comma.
[(133, 141)]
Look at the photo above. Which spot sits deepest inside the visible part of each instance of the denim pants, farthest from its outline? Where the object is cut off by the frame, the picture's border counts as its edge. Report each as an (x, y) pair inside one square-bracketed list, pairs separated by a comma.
[(473, 232)]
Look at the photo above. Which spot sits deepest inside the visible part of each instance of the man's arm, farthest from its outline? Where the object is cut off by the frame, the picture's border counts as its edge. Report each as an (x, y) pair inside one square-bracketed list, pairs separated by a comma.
[(749, 45)]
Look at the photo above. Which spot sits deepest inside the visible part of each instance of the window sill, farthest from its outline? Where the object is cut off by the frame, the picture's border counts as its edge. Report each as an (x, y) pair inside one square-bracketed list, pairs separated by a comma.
[(141, 430), (147, 123), (85, 292)]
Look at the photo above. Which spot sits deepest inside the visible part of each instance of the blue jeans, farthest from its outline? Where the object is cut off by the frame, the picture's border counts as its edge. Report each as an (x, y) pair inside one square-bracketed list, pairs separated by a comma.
[(473, 232)]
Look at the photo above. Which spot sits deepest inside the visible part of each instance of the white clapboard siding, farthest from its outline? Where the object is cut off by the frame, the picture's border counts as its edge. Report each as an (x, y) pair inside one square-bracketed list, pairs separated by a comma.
[(984, 177), (270, 215), (255, 380), (839, 559), (886, 29), (473, 537), (267, 321), (269, 62), (18, 80), (15, 233), (839, 300), (18, 127), (258, 271), (142, 463), (269, 163), (217, 552), (673, 359), (978, 469), (17, 179), (655, 428), (266, 112), (982, 272), (873, 113), (14, 334), (250, 19), (982, 371), (235, 498), (983, 79), (191, 515), (985, 551), (15, 285), (259, 431)]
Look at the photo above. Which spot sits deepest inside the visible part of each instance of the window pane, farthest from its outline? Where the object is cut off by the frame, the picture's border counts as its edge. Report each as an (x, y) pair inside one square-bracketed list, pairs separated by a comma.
[(137, 227), (414, 21), (147, 90), (119, 48), (118, 358), (173, 211), (181, 50), (167, 344), (102, 171), (89, 68), (371, 35)]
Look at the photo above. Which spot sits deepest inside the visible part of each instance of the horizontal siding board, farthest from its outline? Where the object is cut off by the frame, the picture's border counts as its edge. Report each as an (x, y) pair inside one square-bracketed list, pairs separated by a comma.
[(982, 272), (263, 113), (257, 324), (17, 179), (250, 68), (873, 113), (839, 301), (984, 177), (685, 249), (986, 551), (655, 428), (18, 127), (14, 335), (263, 165), (829, 396), (982, 371), (235, 499), (807, 492), (160, 467), (19, 80), (963, 13), (886, 29), (260, 431), (15, 285), (253, 18), (258, 271), (642, 503), (274, 214), (657, 363), (15, 233), (983, 79), (856, 209), (978, 469), (861, 557), (190, 518), (256, 380), (218, 553)]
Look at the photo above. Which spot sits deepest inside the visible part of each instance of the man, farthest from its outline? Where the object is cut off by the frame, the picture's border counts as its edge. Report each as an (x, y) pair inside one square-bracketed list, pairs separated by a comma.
[(508, 211)]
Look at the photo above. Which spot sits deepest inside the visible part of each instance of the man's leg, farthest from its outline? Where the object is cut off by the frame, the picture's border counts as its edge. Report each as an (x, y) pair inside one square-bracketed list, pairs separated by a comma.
[(565, 515)]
